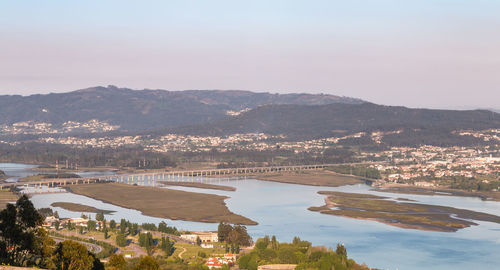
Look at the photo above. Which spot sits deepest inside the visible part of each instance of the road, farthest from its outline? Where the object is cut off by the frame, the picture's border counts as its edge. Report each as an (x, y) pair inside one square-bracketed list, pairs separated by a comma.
[(91, 247)]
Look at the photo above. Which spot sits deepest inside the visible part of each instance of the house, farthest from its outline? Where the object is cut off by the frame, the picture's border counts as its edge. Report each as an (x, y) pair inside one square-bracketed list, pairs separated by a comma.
[(50, 221), (205, 237), (218, 262)]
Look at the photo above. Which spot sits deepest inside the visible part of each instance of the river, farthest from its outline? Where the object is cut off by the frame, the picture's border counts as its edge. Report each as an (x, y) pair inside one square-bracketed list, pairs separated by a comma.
[(281, 210)]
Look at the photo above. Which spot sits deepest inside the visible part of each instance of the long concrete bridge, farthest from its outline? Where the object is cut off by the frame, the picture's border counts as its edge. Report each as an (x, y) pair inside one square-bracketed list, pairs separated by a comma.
[(156, 178)]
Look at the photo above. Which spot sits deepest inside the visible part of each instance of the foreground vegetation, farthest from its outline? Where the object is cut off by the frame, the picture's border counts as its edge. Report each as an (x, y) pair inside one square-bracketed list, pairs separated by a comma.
[(301, 253), (164, 203), (400, 214)]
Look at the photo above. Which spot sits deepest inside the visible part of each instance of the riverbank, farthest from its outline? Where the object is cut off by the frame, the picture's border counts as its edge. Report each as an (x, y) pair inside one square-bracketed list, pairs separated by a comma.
[(164, 203), (441, 191), (7, 196), (312, 178), (76, 207), (198, 185), (400, 214)]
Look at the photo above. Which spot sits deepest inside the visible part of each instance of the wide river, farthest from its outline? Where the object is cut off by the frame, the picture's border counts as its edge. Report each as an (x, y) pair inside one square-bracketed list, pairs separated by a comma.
[(281, 210)]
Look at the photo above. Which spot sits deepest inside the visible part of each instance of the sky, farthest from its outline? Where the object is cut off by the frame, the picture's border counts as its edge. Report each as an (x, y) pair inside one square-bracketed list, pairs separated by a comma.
[(419, 53)]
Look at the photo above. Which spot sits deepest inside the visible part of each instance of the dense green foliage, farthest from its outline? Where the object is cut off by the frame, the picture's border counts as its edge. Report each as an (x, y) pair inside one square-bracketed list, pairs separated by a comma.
[(301, 253), (121, 240), (146, 241), (235, 235), (19, 233), (362, 171), (73, 255)]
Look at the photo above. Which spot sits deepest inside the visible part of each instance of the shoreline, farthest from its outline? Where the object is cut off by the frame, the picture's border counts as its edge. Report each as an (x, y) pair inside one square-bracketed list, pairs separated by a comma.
[(198, 185), (406, 215), (164, 203), (438, 191), (320, 178)]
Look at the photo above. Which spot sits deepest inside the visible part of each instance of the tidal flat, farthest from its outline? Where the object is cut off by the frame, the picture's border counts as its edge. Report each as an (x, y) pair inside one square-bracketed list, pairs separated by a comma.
[(198, 185), (164, 202), (400, 214), (312, 178), (76, 207)]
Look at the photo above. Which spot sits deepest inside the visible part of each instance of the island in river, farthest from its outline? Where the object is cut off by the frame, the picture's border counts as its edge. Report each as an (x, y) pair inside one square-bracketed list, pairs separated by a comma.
[(76, 207), (164, 202), (313, 178), (400, 214), (198, 185)]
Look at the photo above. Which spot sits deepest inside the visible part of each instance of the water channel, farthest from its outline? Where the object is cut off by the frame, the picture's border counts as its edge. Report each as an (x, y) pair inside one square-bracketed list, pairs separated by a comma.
[(281, 210)]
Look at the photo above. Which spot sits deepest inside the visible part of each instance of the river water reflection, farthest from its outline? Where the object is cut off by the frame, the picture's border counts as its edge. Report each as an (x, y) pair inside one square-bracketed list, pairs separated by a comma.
[(281, 210)]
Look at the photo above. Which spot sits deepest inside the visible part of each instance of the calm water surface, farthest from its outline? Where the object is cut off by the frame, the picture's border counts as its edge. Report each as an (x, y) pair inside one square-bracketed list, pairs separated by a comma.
[(281, 210)]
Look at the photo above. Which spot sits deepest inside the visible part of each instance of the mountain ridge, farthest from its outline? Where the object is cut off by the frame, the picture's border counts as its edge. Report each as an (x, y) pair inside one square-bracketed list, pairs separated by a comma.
[(147, 109)]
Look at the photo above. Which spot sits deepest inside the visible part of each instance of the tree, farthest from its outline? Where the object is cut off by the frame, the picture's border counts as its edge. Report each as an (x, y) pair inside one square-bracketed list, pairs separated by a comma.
[(135, 229), (117, 262), (274, 243), (167, 246), (147, 263), (19, 225), (99, 216), (198, 241), (106, 233), (91, 225), (123, 226), (341, 250), (73, 255), (70, 226), (121, 240), (56, 214), (57, 224), (112, 224)]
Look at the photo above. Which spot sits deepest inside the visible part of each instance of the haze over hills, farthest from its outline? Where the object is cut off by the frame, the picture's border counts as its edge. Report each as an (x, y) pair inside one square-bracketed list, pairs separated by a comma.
[(135, 110)]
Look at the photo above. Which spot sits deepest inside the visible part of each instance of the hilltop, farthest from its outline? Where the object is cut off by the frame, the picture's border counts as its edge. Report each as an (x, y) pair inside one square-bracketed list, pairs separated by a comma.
[(320, 121), (139, 110)]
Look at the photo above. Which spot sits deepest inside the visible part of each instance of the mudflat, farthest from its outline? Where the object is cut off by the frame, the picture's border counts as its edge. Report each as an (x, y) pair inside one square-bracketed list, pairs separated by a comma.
[(164, 203), (400, 214), (76, 207), (198, 185), (313, 178)]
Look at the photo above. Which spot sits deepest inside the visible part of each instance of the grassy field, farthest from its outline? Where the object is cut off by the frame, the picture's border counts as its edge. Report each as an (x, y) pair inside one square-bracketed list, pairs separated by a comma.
[(164, 203), (6, 196), (312, 178), (400, 214), (199, 185), (192, 251), (76, 207)]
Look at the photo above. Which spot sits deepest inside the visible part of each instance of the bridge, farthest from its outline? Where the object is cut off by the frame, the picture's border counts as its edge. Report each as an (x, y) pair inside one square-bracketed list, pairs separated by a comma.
[(156, 178)]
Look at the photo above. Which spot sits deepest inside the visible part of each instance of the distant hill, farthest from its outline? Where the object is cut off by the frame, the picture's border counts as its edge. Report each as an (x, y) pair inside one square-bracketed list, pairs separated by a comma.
[(138, 110), (306, 121)]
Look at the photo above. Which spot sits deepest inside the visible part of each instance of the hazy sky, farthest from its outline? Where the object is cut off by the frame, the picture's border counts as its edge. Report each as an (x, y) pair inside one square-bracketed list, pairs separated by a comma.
[(419, 53)]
